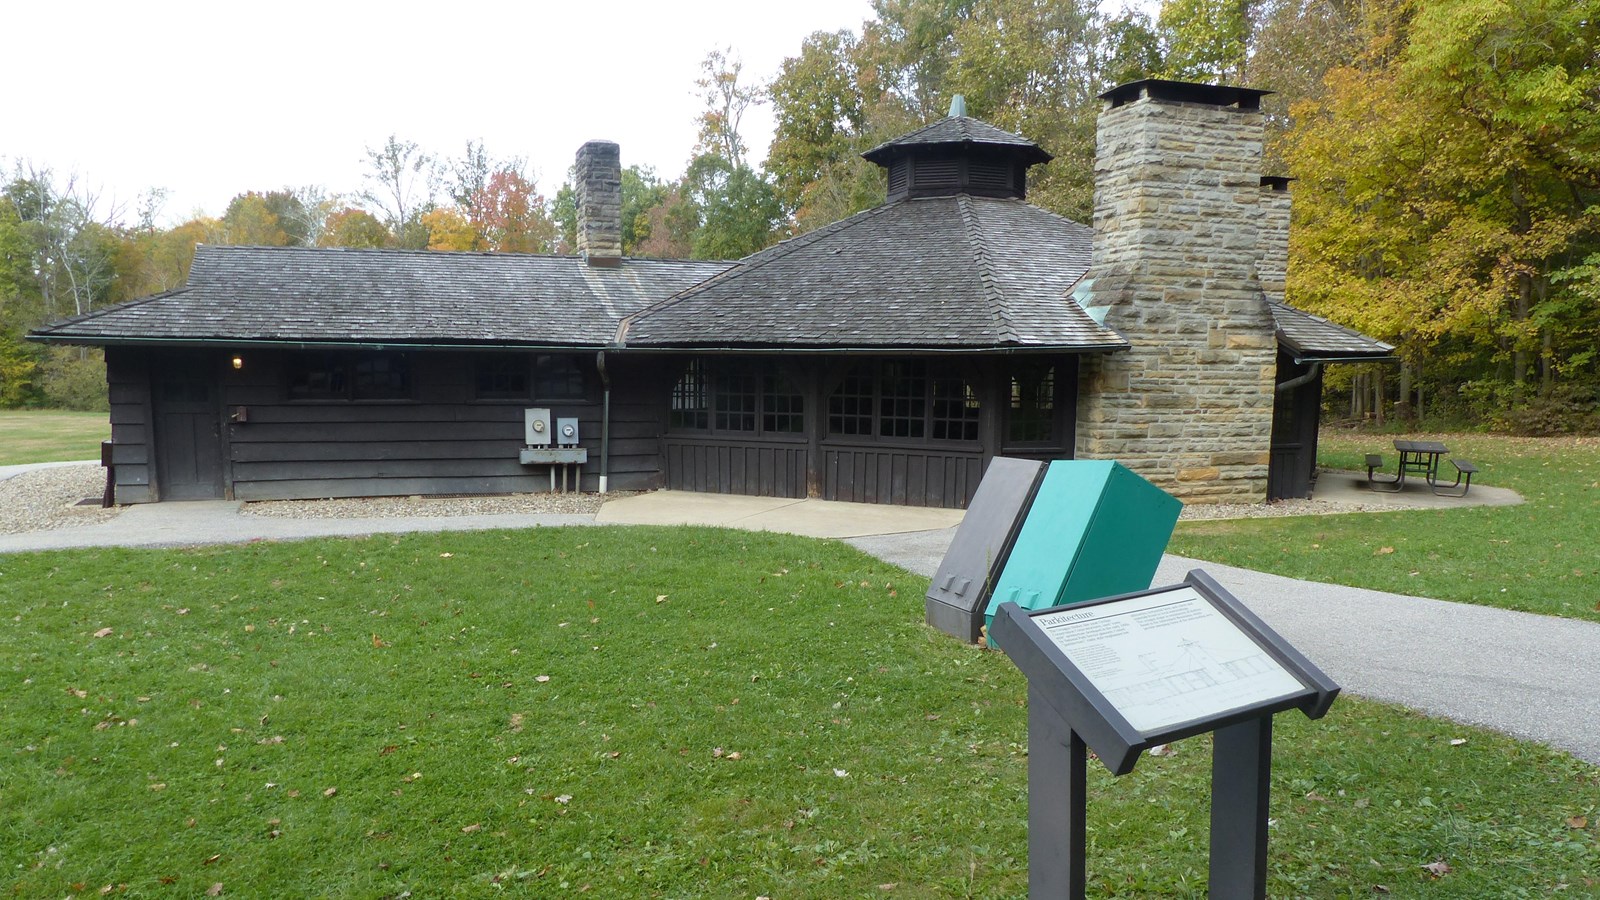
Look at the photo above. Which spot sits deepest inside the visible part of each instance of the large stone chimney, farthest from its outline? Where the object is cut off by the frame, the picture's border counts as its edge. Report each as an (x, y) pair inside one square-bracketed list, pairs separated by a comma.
[(1176, 250), (1273, 223), (598, 185)]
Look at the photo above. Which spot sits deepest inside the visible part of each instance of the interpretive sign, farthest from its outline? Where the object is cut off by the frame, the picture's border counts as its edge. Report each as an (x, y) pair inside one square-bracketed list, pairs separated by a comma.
[(1168, 658), (1122, 674)]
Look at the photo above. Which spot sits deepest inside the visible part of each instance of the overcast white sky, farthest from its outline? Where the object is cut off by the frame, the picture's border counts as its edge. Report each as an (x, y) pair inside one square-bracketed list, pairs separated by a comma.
[(212, 99)]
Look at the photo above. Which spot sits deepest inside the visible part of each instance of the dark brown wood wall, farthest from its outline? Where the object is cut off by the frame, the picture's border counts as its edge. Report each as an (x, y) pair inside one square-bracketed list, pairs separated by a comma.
[(128, 380), (441, 441)]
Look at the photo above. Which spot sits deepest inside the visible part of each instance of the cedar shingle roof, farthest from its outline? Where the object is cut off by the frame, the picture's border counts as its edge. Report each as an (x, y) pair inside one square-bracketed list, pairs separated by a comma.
[(958, 131), (287, 294), (954, 273), (1308, 337)]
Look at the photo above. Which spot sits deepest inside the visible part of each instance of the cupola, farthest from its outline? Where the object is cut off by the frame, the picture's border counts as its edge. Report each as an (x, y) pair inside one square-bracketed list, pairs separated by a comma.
[(958, 155)]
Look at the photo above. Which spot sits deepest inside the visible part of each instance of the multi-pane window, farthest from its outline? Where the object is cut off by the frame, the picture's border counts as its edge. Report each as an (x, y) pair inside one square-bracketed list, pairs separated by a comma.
[(689, 406), (850, 405), (900, 400), (557, 377), (1032, 416), (955, 410), (349, 376), (522, 376), (737, 397), (502, 377)]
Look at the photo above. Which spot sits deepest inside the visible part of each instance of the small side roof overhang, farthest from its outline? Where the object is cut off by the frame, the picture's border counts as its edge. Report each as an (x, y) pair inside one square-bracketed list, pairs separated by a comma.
[(1310, 338)]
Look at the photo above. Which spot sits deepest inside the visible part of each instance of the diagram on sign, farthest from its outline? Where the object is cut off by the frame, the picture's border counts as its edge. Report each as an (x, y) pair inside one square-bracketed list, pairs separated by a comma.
[(1167, 658)]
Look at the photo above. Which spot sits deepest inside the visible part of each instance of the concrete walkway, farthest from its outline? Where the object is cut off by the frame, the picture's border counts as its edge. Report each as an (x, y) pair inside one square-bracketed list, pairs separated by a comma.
[(1527, 675)]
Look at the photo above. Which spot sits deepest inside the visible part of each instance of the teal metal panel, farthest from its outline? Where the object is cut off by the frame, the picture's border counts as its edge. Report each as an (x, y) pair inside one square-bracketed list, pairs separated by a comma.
[(1095, 529), (1052, 535), (1132, 524)]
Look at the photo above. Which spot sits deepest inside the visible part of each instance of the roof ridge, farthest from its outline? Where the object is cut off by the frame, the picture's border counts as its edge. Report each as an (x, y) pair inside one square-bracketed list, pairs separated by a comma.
[(446, 254), (999, 307), (767, 256)]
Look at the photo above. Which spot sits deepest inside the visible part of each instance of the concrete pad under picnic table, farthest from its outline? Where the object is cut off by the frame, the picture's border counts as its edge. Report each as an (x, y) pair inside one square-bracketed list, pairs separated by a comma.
[(808, 517), (1351, 488)]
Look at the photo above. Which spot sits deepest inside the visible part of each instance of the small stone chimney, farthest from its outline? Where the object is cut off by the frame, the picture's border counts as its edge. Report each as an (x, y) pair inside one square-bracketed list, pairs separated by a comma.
[(598, 185), (1178, 220), (1273, 222)]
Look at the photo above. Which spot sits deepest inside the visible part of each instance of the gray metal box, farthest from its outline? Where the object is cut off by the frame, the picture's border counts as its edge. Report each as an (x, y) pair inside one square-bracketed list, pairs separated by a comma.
[(536, 427), (959, 595), (567, 432)]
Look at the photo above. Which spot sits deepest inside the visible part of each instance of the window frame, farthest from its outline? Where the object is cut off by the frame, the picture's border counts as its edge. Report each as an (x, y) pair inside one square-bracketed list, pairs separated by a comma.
[(342, 370), (731, 392), (534, 390), (887, 409)]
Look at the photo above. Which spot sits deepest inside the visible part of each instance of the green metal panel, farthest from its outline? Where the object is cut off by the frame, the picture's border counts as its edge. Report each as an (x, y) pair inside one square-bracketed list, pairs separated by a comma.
[(1095, 529), (1132, 524)]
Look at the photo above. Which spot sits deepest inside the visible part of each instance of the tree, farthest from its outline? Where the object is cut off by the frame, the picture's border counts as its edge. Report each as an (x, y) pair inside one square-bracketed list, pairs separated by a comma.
[(726, 102), (350, 227), (251, 221), (727, 212), (1450, 190), (511, 216), (819, 113), (399, 186), (1207, 40)]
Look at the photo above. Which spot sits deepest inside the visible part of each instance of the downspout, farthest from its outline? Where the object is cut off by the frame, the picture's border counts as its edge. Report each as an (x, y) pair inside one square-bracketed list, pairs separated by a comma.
[(605, 417), (1291, 384)]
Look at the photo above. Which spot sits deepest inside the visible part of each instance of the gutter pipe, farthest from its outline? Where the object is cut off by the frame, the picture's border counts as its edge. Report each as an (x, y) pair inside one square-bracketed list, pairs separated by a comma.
[(605, 417)]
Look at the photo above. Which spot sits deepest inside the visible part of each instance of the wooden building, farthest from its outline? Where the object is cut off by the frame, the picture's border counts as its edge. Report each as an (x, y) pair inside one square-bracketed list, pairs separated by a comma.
[(884, 358)]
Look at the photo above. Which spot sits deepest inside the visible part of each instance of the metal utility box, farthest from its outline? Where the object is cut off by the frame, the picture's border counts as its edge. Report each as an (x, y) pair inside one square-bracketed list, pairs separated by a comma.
[(959, 594), (567, 432), (536, 427), (1095, 529)]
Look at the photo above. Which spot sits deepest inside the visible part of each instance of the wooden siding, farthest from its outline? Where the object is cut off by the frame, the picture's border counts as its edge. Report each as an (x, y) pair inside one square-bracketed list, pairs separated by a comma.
[(128, 382), (442, 441), (762, 469), (920, 476)]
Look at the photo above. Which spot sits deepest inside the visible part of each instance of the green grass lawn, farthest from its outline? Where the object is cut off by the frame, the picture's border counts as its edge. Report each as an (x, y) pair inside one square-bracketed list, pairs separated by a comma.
[(640, 712), (50, 435), (1542, 556)]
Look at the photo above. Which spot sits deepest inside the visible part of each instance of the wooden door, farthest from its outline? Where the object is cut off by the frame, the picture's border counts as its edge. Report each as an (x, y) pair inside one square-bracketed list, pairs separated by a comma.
[(188, 434)]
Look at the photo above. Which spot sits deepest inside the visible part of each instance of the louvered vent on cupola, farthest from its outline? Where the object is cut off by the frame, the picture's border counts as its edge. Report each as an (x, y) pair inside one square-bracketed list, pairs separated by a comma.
[(958, 155)]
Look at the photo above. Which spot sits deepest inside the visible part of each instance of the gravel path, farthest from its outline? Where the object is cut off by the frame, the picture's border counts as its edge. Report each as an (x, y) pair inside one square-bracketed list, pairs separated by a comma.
[(45, 499)]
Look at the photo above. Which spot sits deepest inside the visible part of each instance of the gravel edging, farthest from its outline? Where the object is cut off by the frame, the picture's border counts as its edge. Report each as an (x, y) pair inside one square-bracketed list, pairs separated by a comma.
[(572, 503), (1274, 509), (46, 499)]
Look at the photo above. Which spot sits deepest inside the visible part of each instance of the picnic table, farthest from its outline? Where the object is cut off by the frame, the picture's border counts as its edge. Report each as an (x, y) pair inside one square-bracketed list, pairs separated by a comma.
[(1421, 457)]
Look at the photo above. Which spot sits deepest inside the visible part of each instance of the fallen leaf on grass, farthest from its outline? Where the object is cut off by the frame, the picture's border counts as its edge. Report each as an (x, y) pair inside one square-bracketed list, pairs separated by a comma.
[(211, 859), (1456, 742), (330, 792), (564, 799), (1438, 868), (215, 890), (1380, 889), (378, 642), (840, 773), (1577, 822), (102, 632), (446, 555), (468, 829), (541, 678), (661, 598), (1383, 551)]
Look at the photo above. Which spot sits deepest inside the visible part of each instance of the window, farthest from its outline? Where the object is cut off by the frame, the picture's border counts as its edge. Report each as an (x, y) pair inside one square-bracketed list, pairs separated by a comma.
[(521, 376), (502, 376), (689, 408), (558, 377), (737, 397), (1032, 416), (900, 400), (349, 376)]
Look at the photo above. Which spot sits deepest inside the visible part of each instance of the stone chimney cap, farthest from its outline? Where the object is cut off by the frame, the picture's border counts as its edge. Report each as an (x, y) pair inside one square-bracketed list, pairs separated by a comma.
[(1185, 92)]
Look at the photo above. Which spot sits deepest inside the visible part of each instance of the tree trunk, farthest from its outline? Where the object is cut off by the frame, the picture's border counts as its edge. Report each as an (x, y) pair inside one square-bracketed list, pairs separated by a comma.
[(1377, 398), (1403, 408)]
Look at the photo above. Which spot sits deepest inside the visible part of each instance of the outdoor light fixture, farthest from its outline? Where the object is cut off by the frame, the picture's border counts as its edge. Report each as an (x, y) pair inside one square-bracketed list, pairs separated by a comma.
[(238, 362)]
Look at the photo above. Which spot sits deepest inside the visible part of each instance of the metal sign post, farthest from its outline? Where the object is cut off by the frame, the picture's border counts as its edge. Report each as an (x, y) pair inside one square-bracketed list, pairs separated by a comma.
[(1122, 674)]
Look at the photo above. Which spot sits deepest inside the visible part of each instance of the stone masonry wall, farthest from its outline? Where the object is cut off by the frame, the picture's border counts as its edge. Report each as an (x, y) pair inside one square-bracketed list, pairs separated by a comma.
[(1273, 223), (598, 189), (1177, 200)]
